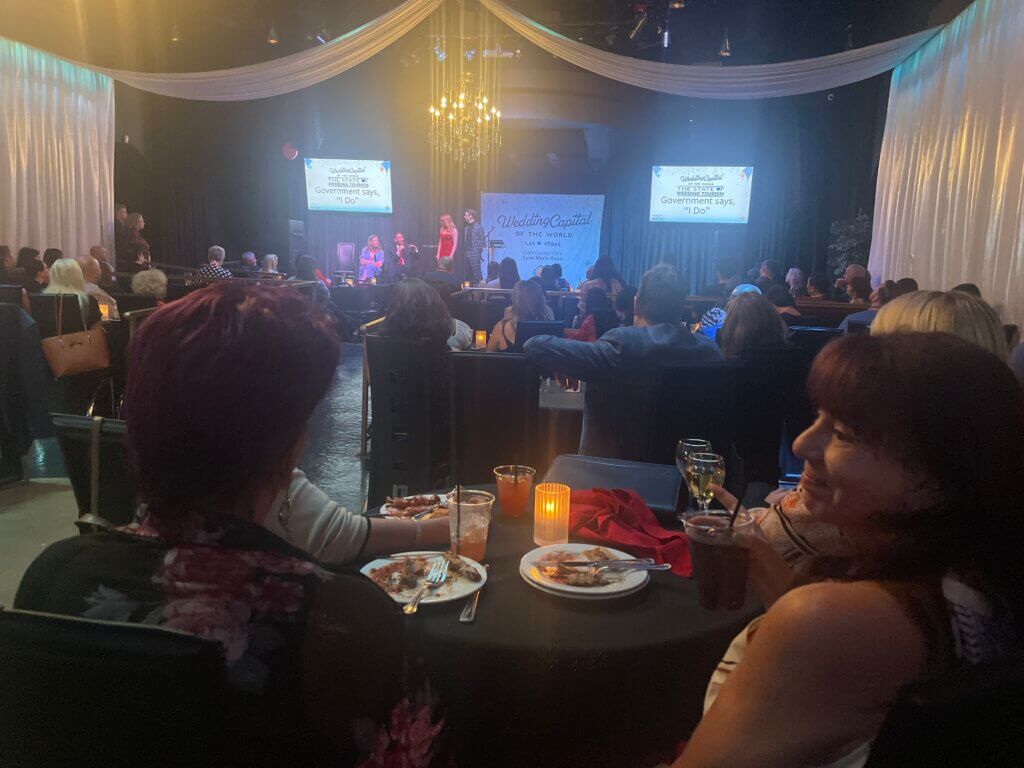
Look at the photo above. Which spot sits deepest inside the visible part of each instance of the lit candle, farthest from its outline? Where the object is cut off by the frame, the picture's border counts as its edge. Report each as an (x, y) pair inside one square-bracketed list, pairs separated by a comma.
[(480, 339), (551, 514), (373, 281), (350, 280), (466, 284)]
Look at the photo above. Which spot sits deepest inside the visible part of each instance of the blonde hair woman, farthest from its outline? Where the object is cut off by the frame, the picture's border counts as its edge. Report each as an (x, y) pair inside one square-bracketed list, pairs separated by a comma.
[(152, 282), (270, 264), (448, 239), (955, 312), (66, 278)]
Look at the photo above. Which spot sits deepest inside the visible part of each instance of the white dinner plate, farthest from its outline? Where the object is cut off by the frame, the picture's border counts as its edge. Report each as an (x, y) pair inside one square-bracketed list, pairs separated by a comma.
[(625, 582), (384, 507), (454, 589)]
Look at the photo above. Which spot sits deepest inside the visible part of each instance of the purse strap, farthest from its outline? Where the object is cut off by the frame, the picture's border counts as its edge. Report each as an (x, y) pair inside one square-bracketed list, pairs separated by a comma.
[(95, 429), (59, 313)]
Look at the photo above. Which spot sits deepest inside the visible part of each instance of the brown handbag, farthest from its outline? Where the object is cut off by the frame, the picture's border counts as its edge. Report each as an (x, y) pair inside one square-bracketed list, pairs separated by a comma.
[(71, 353)]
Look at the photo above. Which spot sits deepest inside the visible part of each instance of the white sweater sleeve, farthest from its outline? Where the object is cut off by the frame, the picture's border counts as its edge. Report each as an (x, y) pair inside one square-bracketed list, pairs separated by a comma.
[(327, 531)]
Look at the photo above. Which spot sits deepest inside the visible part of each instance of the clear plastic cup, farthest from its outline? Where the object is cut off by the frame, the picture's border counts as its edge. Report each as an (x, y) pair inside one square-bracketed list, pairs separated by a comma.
[(469, 516)]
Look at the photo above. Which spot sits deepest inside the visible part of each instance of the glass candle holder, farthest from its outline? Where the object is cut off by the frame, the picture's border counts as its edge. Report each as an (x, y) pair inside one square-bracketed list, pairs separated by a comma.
[(480, 339), (551, 514)]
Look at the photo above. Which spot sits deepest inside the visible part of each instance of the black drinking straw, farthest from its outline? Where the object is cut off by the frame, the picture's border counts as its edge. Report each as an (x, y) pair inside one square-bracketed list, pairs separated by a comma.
[(458, 516), (736, 509)]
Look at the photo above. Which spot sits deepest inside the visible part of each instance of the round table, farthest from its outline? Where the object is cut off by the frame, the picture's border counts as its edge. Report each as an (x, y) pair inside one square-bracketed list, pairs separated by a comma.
[(540, 680)]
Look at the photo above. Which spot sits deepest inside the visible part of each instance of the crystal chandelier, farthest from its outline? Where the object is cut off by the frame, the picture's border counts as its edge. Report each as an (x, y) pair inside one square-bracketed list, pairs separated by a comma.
[(467, 124)]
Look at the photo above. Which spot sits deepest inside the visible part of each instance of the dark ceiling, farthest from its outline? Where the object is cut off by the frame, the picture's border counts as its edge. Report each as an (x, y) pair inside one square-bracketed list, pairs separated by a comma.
[(183, 35)]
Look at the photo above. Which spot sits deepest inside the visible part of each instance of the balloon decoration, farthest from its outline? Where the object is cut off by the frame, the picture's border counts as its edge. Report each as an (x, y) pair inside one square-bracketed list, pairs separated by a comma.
[(289, 150)]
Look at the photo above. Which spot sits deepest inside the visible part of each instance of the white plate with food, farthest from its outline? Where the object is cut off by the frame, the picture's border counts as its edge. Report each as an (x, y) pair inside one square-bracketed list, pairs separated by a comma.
[(402, 576), (424, 506), (540, 569)]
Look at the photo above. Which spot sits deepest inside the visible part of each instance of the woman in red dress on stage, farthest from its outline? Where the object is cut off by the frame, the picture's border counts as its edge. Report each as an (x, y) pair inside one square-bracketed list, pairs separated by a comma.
[(449, 238)]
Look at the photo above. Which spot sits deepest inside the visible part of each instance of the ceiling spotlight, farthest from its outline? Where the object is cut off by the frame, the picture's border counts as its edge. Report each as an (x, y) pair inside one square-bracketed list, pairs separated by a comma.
[(439, 52), (638, 27), (499, 53), (319, 37), (272, 38), (175, 34), (725, 51), (666, 39), (470, 54)]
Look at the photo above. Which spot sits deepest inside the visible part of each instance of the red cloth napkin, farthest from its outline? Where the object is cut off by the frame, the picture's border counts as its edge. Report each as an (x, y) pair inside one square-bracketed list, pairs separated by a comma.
[(622, 519)]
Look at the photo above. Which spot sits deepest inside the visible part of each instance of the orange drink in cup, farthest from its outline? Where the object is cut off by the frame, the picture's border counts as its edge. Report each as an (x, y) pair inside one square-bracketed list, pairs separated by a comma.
[(469, 517), (514, 485)]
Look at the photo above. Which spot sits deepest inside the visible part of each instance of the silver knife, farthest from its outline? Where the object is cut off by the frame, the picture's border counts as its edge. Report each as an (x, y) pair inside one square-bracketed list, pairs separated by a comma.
[(469, 612), (599, 563)]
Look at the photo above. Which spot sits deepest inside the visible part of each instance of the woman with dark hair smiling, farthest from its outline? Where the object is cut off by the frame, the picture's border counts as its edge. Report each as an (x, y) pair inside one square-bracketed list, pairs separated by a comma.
[(914, 462), (229, 551)]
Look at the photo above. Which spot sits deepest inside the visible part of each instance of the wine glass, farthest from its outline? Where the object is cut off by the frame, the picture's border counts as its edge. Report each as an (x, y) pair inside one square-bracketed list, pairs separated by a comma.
[(702, 471), (685, 449)]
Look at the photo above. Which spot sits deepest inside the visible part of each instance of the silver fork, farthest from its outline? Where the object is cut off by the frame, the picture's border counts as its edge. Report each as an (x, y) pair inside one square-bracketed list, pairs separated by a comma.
[(435, 578)]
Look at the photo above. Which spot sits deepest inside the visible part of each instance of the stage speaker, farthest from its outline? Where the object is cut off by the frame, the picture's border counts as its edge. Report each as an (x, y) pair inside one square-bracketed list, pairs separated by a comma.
[(345, 258)]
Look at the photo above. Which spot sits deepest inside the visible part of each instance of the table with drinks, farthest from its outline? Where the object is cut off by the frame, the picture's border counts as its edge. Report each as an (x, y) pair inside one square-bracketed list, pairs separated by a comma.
[(544, 679)]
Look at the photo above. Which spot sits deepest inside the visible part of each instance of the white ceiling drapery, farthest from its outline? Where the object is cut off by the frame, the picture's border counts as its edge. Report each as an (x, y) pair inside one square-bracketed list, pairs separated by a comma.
[(759, 81)]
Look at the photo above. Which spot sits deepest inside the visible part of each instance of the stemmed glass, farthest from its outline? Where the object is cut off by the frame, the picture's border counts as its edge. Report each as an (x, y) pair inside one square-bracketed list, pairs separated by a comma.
[(685, 449), (703, 471)]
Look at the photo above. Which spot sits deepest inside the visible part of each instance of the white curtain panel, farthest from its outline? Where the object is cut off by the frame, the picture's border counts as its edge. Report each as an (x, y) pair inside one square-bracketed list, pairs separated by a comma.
[(747, 82), (289, 73), (56, 152), (950, 201)]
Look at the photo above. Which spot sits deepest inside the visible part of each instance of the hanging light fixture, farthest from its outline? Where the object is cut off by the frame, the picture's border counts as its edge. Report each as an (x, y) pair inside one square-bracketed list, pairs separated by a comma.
[(272, 38), (726, 51), (467, 124)]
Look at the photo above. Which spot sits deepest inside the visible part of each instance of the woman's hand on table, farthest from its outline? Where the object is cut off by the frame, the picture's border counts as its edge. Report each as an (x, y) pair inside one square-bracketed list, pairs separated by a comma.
[(769, 576)]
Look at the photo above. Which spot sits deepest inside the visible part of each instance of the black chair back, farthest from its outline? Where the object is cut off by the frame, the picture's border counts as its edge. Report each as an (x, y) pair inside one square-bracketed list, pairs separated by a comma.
[(44, 312), (812, 339), (527, 329), (129, 302), (966, 717), (410, 438), (858, 328), (94, 693), (116, 501), (770, 393), (692, 400), (351, 298), (10, 294), (495, 413)]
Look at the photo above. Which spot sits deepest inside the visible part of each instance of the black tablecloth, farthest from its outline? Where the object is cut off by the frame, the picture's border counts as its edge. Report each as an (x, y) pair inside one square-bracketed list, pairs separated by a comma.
[(540, 680)]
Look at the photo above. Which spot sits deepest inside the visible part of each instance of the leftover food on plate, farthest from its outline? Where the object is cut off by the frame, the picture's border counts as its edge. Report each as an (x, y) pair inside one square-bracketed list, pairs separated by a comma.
[(405, 573), (429, 505), (550, 564)]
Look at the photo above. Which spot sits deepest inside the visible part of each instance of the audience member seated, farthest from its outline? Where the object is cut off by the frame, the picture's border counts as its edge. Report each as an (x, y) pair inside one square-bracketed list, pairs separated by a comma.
[(624, 304), (858, 290), (772, 270), (371, 260), (548, 281), (416, 311), (270, 264), (136, 246), (560, 281), (585, 326), (727, 277), (306, 271), (66, 277), (528, 303), (249, 264), (605, 276), (958, 313), (508, 275), (214, 263), (37, 274), (886, 292), (93, 272), (970, 288), (443, 279), (613, 420), (841, 292), (907, 285), (818, 287), (912, 458), (107, 279), (784, 304), (712, 319), (7, 264), (228, 550), (152, 282), (120, 232), (492, 274), (50, 255), (764, 284), (796, 282), (751, 324)]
